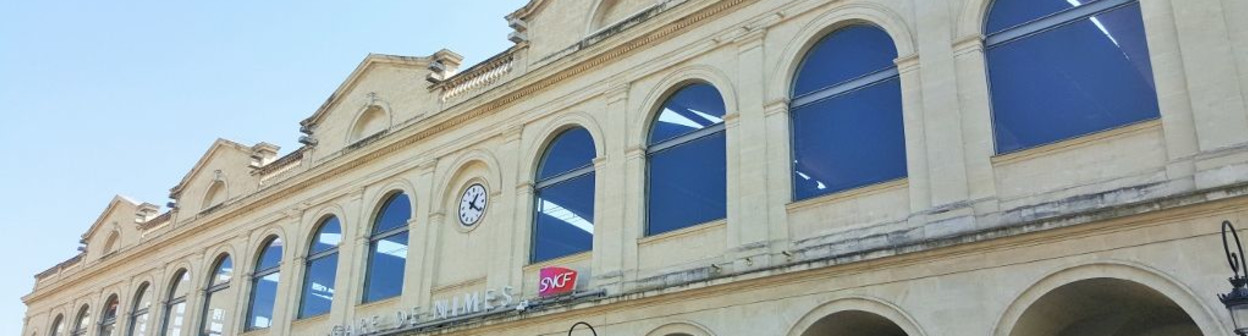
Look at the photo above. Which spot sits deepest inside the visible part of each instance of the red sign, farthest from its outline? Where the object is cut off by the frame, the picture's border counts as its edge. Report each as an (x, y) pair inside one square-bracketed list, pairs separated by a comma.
[(556, 281)]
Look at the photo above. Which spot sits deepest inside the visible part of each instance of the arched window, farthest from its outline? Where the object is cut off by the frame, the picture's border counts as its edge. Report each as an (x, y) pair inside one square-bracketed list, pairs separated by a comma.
[(110, 245), (215, 195), (140, 311), (687, 161), (264, 285), (387, 247), (564, 209), (108, 318), (1060, 69), (322, 269), (219, 298), (175, 308), (58, 326), (846, 115), (82, 323)]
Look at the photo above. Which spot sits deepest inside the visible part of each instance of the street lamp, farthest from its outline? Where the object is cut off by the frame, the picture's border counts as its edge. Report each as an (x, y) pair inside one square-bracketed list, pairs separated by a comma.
[(1237, 300), (591, 328)]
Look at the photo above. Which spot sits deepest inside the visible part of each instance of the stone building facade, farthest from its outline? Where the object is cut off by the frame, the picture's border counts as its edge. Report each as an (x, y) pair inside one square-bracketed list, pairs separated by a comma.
[(875, 167)]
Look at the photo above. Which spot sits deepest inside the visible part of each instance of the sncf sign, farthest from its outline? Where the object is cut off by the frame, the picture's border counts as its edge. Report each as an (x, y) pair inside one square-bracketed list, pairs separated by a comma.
[(556, 281)]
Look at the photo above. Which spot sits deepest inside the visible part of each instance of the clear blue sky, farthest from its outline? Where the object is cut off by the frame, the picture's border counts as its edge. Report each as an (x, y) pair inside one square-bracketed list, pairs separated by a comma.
[(99, 98)]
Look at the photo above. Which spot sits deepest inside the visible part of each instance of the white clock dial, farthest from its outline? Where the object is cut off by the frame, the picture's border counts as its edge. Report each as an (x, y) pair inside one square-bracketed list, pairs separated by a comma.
[(472, 204)]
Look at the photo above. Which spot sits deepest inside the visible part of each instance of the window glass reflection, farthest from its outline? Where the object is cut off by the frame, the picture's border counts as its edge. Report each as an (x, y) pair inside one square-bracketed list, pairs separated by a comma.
[(82, 323), (688, 185), (219, 298), (1009, 13), (271, 257), (175, 308), (844, 55), (223, 272), (139, 312), (262, 301), (388, 256), (571, 150), (565, 215), (318, 289), (1090, 75), (849, 141), (58, 326), (328, 237), (108, 318), (691, 108), (394, 214)]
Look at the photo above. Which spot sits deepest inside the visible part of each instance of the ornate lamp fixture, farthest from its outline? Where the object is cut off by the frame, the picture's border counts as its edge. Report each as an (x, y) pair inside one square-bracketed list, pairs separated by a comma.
[(1237, 300), (591, 328)]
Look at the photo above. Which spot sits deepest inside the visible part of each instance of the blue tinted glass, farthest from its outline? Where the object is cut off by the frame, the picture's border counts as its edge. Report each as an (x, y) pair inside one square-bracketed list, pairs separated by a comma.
[(262, 298), (846, 54), (223, 272), (688, 185), (327, 237), (1085, 77), (691, 108), (271, 256), (565, 219), (571, 150), (1009, 13), (385, 274), (394, 214), (318, 287), (849, 141)]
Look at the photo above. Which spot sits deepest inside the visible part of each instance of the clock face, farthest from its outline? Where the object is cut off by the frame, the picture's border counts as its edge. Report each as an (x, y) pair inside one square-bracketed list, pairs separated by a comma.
[(472, 205)]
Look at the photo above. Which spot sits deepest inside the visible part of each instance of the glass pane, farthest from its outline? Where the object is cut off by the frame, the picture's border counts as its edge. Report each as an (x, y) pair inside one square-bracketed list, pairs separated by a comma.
[(687, 185), (1081, 78), (271, 257), (223, 272), (182, 285), (571, 150), (58, 327), (110, 309), (263, 296), (849, 141), (846, 54), (141, 299), (565, 219), (385, 272), (328, 237), (1009, 13), (318, 287), (691, 108), (394, 214), (138, 325), (83, 321), (216, 311), (175, 318), (107, 329)]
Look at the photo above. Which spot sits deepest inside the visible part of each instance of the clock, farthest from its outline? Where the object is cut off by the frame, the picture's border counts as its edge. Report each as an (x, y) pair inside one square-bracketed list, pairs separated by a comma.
[(472, 205)]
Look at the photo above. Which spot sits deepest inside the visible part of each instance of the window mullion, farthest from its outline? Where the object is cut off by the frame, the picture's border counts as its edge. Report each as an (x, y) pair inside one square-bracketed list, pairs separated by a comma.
[(688, 137), (855, 84), (565, 177), (1053, 21)]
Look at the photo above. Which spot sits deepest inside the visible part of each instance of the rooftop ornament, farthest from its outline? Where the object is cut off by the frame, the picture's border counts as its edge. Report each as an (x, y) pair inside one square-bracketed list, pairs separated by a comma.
[(1237, 300)]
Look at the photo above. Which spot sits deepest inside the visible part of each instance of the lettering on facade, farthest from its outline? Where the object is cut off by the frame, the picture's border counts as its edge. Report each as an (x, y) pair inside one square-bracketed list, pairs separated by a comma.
[(459, 305)]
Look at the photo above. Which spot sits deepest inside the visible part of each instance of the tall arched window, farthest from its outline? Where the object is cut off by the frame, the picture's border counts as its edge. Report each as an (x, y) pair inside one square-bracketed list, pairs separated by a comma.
[(1060, 69), (58, 326), (387, 256), (140, 311), (82, 323), (219, 298), (264, 285), (846, 115), (108, 317), (687, 161), (175, 308), (564, 209), (322, 269)]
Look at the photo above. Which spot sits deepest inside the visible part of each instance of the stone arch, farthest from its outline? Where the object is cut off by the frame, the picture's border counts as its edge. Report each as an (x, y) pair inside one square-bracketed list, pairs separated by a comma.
[(971, 19), (259, 243), (1152, 279), (449, 184), (378, 198), (308, 229), (607, 12), (856, 305), (370, 120), (675, 81), (859, 12), (216, 194), (202, 280), (554, 128), (112, 243), (682, 329)]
